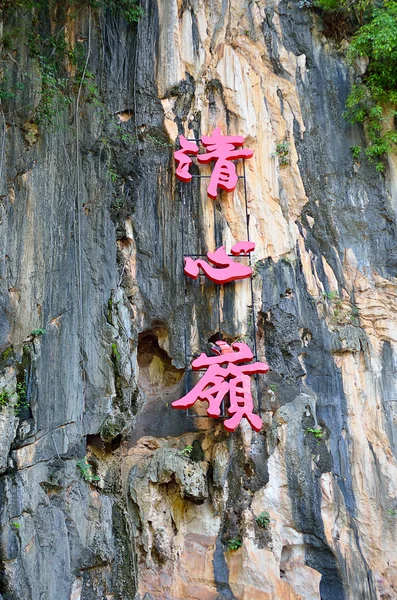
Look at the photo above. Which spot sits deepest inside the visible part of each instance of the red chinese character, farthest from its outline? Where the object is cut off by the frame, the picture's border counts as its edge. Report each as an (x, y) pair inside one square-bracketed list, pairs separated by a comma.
[(228, 269), (184, 162), (222, 149), (219, 380)]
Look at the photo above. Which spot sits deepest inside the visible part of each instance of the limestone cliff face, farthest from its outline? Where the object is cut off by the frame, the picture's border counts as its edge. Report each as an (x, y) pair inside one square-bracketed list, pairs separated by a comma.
[(91, 251)]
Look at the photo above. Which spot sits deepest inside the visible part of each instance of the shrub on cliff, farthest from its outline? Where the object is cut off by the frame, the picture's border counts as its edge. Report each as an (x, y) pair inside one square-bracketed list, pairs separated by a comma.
[(373, 99)]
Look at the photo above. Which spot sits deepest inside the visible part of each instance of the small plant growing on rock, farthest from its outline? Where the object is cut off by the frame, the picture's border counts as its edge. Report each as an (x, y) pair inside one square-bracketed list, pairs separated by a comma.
[(337, 314), (15, 525), (38, 332), (158, 142), (118, 204), (273, 387), (255, 264), (356, 151), (282, 151), (317, 432), (115, 352), (4, 398), (113, 176), (86, 470), (333, 296), (263, 519), (22, 400), (186, 451), (234, 544)]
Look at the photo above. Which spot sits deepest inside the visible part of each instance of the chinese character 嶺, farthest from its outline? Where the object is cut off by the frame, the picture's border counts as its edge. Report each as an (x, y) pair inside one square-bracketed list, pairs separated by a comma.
[(228, 270), (224, 375), (223, 150)]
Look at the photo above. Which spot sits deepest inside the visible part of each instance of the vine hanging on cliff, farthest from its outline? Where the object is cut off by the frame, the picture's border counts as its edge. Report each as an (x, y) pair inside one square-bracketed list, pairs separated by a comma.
[(130, 10), (61, 62)]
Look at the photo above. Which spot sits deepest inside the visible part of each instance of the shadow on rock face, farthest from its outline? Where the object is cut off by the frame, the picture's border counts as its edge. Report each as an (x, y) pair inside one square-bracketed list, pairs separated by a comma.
[(161, 383)]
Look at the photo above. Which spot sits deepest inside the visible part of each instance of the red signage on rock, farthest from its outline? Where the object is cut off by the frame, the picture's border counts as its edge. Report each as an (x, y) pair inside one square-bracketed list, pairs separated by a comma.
[(182, 158), (226, 376), (221, 149), (227, 269)]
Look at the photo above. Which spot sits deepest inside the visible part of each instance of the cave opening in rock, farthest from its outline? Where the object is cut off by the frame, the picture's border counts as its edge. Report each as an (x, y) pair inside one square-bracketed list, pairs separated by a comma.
[(158, 377)]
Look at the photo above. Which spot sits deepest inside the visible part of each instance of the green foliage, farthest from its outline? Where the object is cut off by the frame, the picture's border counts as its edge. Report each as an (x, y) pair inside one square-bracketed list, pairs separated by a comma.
[(159, 142), (86, 470), (113, 176), (255, 263), (392, 512), (54, 89), (118, 204), (186, 451), (282, 151), (374, 100), (263, 519), (318, 433), (234, 544), (57, 57), (115, 352), (8, 88), (7, 353), (52, 54), (328, 5), (129, 9), (333, 296), (15, 525), (4, 398), (125, 136), (37, 332), (5, 90), (340, 316), (356, 151), (27, 4), (273, 387), (358, 10), (22, 401)]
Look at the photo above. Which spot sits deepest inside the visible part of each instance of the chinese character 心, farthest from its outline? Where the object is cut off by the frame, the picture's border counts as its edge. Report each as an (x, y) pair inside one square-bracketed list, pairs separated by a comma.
[(225, 375), (221, 149), (228, 270)]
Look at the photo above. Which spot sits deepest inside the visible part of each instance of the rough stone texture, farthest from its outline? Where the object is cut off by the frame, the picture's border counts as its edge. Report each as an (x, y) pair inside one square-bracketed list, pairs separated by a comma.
[(91, 250)]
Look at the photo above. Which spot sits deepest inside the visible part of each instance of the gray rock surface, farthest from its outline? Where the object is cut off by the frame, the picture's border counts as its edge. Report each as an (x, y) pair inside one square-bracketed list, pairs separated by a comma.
[(91, 250)]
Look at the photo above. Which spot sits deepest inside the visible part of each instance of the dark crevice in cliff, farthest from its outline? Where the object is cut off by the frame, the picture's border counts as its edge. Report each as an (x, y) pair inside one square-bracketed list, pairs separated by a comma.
[(221, 573)]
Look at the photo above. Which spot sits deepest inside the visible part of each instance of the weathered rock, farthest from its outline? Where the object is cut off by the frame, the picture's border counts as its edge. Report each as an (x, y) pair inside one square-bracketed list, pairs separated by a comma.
[(91, 251), (191, 477)]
